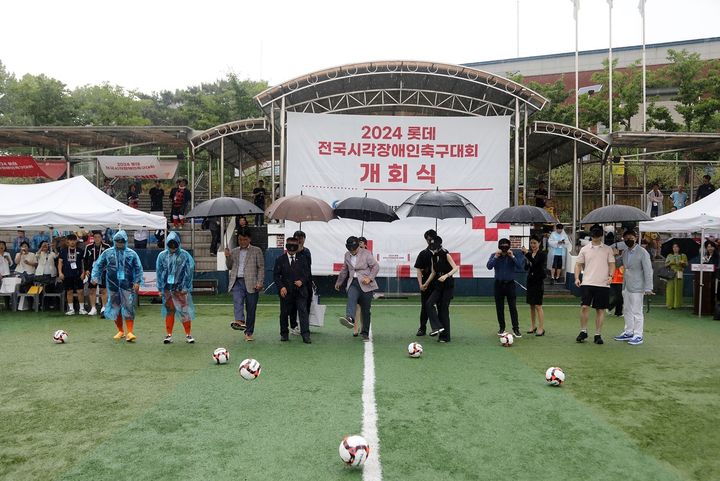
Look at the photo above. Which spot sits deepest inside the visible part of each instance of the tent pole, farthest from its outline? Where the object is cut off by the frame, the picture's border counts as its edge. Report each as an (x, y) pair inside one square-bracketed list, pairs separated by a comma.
[(702, 273), (222, 187)]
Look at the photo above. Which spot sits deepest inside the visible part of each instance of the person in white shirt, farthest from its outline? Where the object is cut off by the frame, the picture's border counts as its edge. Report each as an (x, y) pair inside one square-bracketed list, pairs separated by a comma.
[(654, 201), (25, 260), (46, 261), (559, 244), (5, 260)]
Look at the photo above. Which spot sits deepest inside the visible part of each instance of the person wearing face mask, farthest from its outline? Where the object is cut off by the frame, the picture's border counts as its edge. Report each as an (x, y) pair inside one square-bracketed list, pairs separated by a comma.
[(358, 274), (441, 284), (597, 263), (123, 274), (292, 275), (637, 283), (423, 268), (559, 243), (175, 268), (46, 268), (246, 266), (505, 263)]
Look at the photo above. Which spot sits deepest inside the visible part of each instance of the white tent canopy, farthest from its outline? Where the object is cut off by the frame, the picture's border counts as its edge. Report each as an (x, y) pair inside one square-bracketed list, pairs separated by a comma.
[(701, 215), (69, 204)]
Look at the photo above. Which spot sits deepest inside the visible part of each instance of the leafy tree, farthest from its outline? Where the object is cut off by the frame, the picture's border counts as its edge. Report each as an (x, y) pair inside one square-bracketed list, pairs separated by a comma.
[(627, 97), (41, 100), (108, 105)]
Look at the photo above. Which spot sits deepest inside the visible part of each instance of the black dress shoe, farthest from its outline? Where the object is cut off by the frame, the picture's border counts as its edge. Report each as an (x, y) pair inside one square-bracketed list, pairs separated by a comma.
[(306, 340), (420, 332), (284, 338)]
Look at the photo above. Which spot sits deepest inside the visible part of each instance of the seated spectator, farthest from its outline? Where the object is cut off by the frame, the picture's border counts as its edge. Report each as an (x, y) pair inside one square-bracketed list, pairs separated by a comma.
[(38, 239), (5, 260), (133, 196), (25, 261), (19, 240)]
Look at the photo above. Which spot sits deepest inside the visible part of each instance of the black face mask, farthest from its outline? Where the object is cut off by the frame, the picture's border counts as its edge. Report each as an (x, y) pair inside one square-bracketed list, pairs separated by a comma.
[(173, 245), (504, 247), (630, 243), (292, 247), (352, 246)]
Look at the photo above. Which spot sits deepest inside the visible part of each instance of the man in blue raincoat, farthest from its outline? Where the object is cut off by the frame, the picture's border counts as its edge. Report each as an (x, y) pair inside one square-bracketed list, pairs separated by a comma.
[(175, 268), (123, 276)]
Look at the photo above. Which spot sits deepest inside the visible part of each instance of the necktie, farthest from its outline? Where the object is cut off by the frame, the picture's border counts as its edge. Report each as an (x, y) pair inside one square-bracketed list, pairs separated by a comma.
[(292, 259)]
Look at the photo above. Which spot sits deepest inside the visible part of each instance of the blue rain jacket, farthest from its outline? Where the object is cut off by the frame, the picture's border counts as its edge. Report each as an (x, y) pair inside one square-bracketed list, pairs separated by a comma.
[(121, 268), (174, 279)]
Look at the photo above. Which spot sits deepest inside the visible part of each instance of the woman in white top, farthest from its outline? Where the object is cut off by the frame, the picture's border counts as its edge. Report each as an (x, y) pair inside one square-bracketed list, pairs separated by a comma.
[(5, 260), (25, 261), (46, 261)]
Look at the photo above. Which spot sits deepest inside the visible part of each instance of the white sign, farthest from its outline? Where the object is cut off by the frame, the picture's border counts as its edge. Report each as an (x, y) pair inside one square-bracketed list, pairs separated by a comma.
[(137, 167), (702, 267), (334, 157)]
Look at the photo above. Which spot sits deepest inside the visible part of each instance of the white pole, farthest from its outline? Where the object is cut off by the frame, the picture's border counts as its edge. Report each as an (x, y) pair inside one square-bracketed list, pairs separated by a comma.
[(517, 151), (641, 6), (702, 273), (222, 187), (517, 29), (610, 70)]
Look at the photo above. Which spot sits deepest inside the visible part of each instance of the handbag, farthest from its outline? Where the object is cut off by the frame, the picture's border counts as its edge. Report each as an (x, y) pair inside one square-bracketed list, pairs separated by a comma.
[(667, 273)]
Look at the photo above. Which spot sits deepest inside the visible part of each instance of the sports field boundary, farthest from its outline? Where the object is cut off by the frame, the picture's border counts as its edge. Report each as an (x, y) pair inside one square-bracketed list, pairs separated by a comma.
[(372, 470)]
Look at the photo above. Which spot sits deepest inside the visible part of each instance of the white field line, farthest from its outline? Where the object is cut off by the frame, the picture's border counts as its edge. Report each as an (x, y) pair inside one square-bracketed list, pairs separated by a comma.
[(372, 471)]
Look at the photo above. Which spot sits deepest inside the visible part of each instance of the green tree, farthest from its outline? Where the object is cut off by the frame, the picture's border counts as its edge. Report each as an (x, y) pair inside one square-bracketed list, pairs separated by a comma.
[(107, 105), (627, 96), (41, 100)]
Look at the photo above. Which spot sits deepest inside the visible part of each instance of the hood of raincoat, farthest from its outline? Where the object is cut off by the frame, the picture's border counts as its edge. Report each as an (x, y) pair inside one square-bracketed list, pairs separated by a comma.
[(120, 235), (173, 236)]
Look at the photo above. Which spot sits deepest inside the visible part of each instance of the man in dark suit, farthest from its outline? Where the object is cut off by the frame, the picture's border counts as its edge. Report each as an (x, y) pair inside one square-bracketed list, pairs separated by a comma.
[(292, 275)]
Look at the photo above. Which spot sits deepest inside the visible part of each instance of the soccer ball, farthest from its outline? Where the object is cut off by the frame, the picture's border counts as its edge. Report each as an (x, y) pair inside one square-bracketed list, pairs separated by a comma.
[(249, 369), (506, 339), (415, 349), (60, 336), (354, 450), (221, 355), (555, 376)]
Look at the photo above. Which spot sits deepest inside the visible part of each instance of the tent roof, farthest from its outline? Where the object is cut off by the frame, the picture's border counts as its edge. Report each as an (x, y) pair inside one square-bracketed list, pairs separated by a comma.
[(94, 137), (703, 214), (69, 204), (661, 141)]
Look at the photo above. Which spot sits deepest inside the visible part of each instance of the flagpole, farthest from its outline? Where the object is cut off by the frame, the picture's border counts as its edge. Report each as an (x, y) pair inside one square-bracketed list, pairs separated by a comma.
[(610, 101), (576, 6), (641, 6)]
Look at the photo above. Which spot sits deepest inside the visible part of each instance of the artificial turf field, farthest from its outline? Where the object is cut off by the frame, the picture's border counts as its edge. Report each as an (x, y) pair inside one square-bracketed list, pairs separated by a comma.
[(95, 409)]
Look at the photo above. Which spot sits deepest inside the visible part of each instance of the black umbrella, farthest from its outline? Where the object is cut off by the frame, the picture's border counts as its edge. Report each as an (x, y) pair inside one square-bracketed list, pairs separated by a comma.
[(438, 204), (524, 214), (224, 206), (688, 247), (365, 209), (615, 214)]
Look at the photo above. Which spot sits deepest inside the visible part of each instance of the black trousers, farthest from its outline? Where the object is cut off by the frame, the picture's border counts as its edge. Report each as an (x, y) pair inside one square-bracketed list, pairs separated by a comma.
[(424, 296), (295, 300), (214, 240), (438, 309), (506, 290), (616, 298), (293, 314)]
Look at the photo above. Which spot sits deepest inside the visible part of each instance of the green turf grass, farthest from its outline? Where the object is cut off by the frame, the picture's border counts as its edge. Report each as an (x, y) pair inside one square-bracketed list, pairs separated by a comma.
[(95, 409)]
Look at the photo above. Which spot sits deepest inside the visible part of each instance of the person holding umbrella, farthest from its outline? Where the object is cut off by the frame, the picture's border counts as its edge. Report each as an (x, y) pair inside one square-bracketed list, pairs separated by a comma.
[(441, 284), (676, 261), (246, 266), (423, 268), (535, 261), (359, 270)]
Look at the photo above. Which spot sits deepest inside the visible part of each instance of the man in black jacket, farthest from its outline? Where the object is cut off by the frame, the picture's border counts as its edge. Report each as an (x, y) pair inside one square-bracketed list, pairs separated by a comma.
[(423, 268), (292, 275)]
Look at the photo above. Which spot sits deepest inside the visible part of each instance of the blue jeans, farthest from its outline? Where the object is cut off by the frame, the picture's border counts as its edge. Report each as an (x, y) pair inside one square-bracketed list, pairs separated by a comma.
[(244, 300), (357, 296)]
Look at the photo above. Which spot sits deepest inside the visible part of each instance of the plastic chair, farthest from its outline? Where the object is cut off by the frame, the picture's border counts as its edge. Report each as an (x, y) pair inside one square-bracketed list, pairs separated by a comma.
[(24, 295), (10, 294), (60, 296)]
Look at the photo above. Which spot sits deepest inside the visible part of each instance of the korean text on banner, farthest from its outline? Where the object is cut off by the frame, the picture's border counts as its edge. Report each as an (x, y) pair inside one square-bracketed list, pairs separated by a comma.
[(137, 167)]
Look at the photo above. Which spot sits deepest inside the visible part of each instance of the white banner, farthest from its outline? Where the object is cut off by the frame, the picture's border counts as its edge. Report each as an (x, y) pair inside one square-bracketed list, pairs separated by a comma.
[(334, 157), (137, 166)]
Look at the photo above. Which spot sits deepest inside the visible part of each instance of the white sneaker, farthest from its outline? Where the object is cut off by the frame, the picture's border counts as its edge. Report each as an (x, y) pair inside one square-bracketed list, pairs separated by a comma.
[(82, 312), (102, 311), (70, 312), (93, 311), (295, 331)]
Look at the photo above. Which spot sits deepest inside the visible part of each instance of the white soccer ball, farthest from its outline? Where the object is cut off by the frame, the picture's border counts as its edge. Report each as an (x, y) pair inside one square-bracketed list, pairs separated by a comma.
[(507, 339), (415, 349), (354, 450), (555, 376), (249, 369), (221, 355), (60, 336)]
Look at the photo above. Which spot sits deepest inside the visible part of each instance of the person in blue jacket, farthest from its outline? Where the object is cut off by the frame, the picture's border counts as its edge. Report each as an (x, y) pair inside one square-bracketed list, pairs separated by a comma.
[(123, 276), (175, 268)]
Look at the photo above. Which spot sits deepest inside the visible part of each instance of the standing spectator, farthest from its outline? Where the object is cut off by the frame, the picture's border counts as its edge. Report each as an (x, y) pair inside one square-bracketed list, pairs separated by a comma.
[(213, 224), (180, 197), (92, 254), (72, 275), (25, 261), (5, 260), (246, 264), (441, 285), (175, 268), (638, 282), (123, 274), (541, 195), (363, 242), (38, 239), (359, 270), (559, 243), (704, 189), (140, 238), (535, 262), (291, 274), (157, 193), (46, 260), (504, 262), (654, 201), (259, 194), (679, 197), (133, 196), (19, 240), (597, 262), (423, 269), (241, 222), (108, 188), (674, 292)]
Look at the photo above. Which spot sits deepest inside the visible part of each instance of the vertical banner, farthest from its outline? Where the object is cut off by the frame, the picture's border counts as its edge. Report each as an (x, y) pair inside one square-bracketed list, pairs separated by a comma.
[(334, 157)]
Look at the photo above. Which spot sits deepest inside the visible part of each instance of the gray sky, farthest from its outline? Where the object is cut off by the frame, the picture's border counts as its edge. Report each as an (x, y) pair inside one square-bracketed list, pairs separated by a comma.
[(161, 45)]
